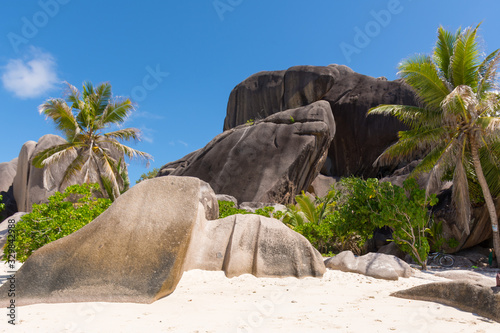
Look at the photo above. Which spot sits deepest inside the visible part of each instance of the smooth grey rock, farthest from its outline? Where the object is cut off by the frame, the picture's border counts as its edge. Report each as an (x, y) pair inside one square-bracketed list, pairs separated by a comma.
[(485, 301), (21, 179), (377, 265), (227, 197), (7, 174), (321, 185), (252, 244), (270, 161)]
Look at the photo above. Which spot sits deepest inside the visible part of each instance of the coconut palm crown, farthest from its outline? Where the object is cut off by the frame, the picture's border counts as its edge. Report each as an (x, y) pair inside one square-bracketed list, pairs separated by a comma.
[(83, 119), (455, 121)]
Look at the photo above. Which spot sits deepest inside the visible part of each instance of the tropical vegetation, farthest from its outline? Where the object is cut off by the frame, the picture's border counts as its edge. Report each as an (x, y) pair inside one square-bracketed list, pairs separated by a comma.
[(454, 126), (148, 175), (64, 214), (95, 154)]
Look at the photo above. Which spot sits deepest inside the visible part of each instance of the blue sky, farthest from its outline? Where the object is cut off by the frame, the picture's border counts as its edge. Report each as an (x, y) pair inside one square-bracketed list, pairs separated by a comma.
[(179, 60)]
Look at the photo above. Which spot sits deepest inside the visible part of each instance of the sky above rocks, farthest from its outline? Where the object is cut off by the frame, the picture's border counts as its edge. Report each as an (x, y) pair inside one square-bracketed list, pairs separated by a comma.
[(179, 60)]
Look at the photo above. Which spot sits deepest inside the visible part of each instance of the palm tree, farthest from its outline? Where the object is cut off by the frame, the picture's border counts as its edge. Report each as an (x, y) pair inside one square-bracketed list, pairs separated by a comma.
[(83, 118), (456, 90)]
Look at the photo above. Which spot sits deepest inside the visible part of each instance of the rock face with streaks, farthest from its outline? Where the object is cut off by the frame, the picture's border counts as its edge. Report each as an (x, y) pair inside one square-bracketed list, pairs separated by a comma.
[(7, 174), (359, 139), (271, 160), (252, 244)]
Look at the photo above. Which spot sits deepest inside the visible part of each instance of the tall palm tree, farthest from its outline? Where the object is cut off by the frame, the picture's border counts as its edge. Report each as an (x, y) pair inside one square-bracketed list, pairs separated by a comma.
[(94, 154), (453, 124)]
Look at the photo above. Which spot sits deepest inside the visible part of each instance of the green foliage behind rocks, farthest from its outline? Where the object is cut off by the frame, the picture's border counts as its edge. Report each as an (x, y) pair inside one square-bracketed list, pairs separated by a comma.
[(64, 214), (2, 205)]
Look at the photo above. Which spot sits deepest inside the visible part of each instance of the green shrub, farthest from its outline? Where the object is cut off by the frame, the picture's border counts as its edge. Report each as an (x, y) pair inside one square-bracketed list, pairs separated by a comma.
[(2, 205), (366, 205), (226, 208), (148, 175), (64, 214)]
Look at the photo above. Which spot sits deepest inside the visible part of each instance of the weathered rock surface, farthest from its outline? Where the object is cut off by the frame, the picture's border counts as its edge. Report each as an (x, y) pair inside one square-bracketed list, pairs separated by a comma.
[(321, 185), (359, 139), (133, 252), (7, 174), (4, 228), (272, 160), (252, 244), (469, 277), (484, 301), (137, 250), (377, 265)]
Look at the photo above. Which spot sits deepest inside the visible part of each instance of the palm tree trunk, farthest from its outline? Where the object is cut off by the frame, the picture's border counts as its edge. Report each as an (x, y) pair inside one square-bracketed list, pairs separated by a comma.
[(487, 198)]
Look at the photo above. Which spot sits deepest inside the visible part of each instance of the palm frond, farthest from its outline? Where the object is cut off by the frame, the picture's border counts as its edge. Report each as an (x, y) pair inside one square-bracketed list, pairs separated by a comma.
[(412, 144), (412, 116), (461, 103), (307, 206), (489, 155), (124, 134), (52, 155), (443, 52), (487, 73), (421, 74), (465, 59), (61, 114), (117, 113), (130, 152)]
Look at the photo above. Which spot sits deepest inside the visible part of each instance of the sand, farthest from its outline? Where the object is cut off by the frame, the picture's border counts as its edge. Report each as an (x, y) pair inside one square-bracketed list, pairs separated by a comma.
[(210, 302)]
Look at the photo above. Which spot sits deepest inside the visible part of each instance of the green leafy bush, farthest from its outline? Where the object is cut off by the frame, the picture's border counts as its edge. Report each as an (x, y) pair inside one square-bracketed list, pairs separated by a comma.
[(226, 208), (2, 205), (366, 205), (148, 175), (64, 214)]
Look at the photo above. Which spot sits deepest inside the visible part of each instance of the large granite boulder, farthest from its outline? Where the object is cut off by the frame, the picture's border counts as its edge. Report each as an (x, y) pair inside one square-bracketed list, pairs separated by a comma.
[(272, 160), (359, 139), (252, 244), (377, 265), (137, 250), (475, 298), (133, 252), (7, 174)]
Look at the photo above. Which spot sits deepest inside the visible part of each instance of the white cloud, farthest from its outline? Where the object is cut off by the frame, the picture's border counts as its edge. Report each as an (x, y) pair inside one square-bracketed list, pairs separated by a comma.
[(30, 77)]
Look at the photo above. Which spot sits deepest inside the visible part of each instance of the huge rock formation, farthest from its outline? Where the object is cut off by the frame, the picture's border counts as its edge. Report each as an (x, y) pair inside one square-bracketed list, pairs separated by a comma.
[(136, 250), (359, 139), (272, 160)]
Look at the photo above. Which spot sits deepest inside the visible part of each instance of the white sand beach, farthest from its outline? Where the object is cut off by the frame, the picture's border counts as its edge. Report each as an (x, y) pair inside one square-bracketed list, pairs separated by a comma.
[(209, 302)]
